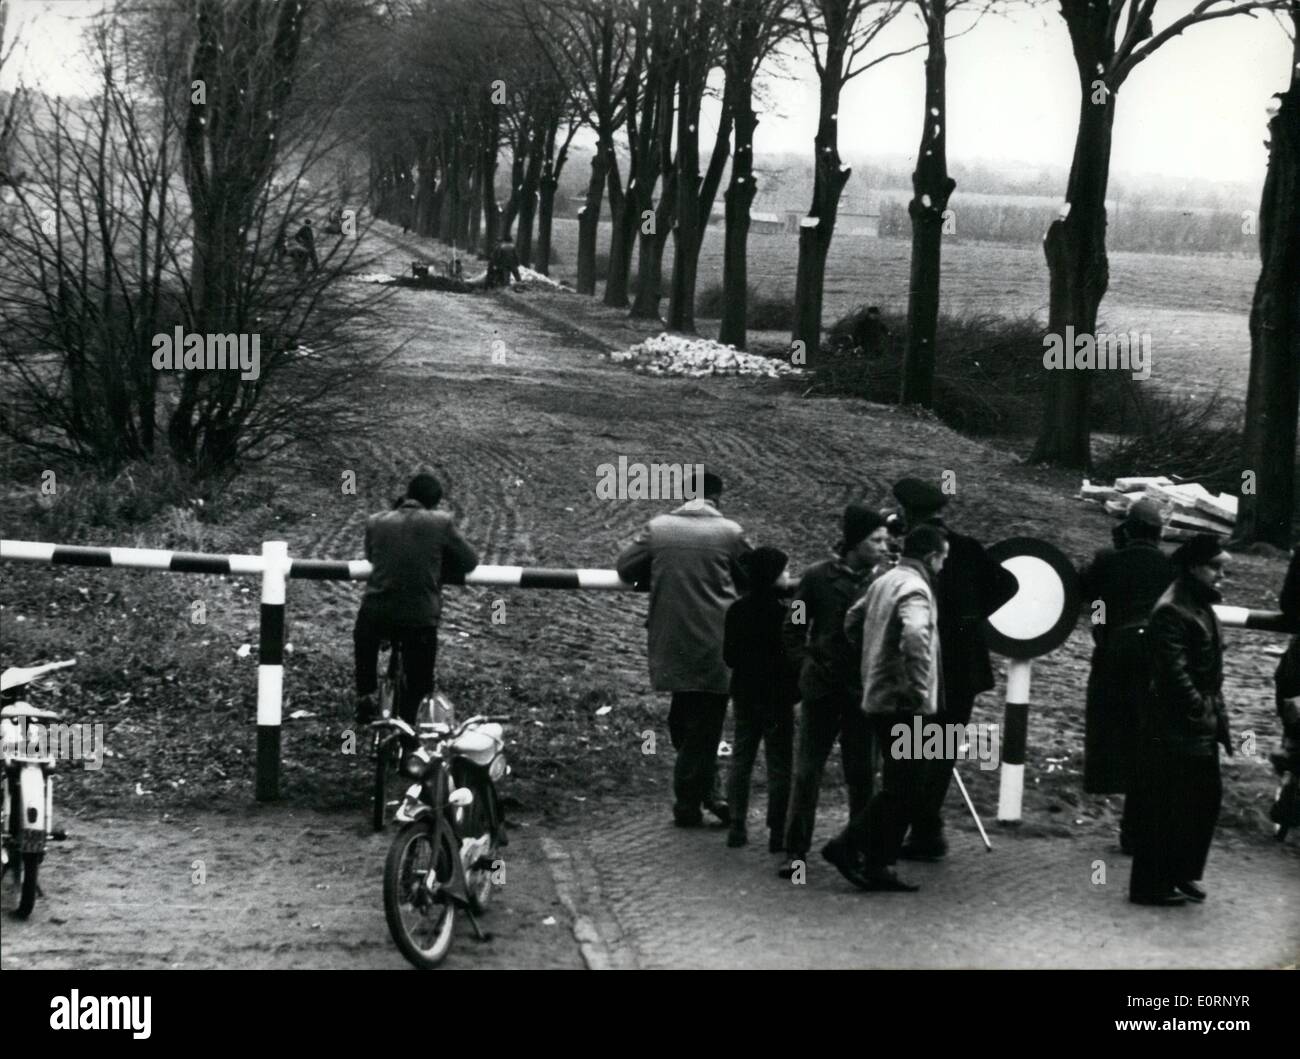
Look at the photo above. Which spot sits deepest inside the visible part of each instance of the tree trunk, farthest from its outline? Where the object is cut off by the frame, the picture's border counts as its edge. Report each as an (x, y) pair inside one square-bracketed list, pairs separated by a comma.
[(1079, 273), (528, 193), (739, 199), (1273, 396), (817, 229), (931, 189), (621, 239), (589, 224)]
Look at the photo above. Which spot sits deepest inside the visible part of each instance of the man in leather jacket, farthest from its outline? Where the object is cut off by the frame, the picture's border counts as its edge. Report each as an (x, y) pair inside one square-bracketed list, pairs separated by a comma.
[(1181, 726)]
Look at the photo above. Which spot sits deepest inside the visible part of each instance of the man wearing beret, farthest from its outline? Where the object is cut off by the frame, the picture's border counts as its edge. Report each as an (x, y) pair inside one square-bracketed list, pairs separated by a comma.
[(970, 587), (690, 560), (1120, 587), (1182, 724)]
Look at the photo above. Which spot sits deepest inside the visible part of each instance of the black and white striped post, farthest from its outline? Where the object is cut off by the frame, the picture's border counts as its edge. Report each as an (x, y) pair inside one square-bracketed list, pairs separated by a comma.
[(270, 669)]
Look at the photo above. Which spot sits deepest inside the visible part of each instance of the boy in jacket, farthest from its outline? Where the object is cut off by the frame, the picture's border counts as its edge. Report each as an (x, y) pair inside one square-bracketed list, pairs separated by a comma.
[(763, 693)]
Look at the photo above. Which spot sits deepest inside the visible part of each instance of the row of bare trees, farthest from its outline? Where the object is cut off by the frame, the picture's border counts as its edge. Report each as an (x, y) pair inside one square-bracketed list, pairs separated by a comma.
[(165, 201)]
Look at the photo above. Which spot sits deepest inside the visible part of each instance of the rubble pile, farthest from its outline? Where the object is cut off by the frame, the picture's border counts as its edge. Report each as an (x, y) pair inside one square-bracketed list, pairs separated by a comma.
[(1189, 507), (683, 356)]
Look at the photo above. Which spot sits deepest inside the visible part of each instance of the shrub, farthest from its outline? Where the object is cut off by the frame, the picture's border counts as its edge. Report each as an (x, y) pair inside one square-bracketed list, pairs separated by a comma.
[(763, 311), (988, 373)]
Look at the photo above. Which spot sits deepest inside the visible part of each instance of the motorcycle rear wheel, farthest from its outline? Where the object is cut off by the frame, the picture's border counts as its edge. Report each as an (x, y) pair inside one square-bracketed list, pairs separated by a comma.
[(406, 892)]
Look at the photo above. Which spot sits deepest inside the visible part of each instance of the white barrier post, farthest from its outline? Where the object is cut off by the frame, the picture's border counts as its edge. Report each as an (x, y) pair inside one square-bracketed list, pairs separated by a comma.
[(1015, 739), (270, 668)]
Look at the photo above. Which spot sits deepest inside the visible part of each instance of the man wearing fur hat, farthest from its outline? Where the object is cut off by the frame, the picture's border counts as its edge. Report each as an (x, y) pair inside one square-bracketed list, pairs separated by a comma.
[(1120, 587)]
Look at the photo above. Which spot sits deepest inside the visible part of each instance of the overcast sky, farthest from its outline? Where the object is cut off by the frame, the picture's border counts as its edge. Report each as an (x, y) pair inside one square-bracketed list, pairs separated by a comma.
[(1197, 107)]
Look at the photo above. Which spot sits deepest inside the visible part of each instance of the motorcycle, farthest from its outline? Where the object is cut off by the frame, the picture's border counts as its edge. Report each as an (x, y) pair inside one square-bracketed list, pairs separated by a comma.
[(445, 859), (26, 818)]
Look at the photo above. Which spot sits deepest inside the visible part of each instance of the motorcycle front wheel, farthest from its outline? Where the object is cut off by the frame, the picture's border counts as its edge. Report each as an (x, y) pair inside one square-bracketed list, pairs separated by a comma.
[(30, 864), (420, 913)]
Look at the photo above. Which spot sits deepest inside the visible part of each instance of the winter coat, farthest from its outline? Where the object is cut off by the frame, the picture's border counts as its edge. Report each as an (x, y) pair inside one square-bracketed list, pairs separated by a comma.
[(1185, 715), (761, 671), (689, 558), (817, 643), (1128, 581), (970, 587), (412, 551), (902, 665)]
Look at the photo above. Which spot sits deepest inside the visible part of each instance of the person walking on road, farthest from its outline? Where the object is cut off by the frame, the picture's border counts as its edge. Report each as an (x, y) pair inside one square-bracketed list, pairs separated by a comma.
[(1121, 586), (902, 677), (829, 684), (689, 559), (764, 689), (1182, 724), (971, 587)]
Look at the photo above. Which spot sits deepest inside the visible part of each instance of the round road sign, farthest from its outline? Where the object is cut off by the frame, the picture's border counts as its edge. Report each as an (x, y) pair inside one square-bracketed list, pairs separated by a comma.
[(1039, 617)]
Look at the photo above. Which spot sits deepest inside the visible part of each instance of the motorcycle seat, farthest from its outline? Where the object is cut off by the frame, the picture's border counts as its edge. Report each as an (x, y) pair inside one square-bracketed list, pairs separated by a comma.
[(26, 709), (480, 744)]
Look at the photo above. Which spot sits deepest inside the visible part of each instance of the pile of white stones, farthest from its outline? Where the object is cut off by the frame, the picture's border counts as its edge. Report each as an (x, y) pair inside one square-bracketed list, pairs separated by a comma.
[(683, 356)]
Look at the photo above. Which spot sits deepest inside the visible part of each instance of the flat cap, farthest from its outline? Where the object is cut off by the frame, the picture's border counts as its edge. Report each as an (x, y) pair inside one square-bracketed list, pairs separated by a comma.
[(917, 495), (1146, 510)]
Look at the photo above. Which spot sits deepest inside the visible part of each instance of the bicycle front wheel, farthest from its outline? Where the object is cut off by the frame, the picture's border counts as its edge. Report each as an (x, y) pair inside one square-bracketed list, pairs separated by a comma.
[(386, 792), (420, 913)]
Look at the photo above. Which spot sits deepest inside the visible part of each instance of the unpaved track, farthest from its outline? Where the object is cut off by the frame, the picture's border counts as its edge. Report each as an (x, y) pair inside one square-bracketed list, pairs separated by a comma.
[(271, 888)]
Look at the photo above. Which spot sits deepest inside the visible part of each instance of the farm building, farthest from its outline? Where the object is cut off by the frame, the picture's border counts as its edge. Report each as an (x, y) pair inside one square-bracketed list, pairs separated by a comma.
[(760, 223)]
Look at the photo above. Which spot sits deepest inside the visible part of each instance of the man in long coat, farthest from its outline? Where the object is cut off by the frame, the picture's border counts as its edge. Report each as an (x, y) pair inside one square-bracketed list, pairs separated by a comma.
[(689, 558), (1120, 588), (1182, 724)]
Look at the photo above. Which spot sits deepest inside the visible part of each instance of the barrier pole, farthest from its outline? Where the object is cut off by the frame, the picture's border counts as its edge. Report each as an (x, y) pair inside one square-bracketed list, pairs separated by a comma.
[(1016, 732), (270, 669)]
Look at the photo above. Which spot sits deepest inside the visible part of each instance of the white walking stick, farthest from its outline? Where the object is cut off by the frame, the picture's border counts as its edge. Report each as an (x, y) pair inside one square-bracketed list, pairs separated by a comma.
[(969, 805)]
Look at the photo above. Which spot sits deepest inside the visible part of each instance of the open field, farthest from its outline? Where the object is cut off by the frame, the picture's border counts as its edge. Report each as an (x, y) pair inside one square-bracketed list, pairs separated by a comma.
[(1195, 308)]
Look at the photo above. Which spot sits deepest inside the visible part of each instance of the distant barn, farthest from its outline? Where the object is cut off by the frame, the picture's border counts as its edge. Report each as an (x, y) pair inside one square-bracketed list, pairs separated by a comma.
[(760, 223)]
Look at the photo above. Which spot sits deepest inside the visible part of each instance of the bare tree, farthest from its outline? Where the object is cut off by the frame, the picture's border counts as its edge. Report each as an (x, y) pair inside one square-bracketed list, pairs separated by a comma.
[(837, 34), (1273, 394), (1109, 39), (753, 28)]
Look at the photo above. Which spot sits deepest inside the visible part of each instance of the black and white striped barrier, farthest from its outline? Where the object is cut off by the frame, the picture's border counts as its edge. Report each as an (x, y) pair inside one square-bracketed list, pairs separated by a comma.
[(276, 567)]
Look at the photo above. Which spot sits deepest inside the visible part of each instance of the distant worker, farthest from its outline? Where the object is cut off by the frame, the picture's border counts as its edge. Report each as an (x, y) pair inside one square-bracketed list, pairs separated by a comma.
[(870, 334), (504, 264), (306, 240)]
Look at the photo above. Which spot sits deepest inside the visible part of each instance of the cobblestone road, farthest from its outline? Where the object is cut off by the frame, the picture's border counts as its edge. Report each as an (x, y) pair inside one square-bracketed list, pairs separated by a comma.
[(646, 894)]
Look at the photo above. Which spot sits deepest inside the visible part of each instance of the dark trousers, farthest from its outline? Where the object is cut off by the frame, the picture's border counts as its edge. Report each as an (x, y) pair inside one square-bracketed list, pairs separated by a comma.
[(877, 832), (821, 719), (761, 719), (1175, 808), (419, 646), (695, 726), (927, 820)]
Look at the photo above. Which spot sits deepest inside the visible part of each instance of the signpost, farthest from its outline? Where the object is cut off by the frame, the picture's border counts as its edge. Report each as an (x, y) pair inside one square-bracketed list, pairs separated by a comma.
[(1036, 620)]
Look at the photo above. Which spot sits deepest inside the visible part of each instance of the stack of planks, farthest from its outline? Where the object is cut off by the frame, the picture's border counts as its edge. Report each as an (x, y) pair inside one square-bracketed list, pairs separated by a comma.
[(1190, 508)]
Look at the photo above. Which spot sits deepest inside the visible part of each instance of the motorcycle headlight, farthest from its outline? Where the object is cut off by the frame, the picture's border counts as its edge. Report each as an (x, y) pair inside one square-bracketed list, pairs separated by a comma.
[(416, 762)]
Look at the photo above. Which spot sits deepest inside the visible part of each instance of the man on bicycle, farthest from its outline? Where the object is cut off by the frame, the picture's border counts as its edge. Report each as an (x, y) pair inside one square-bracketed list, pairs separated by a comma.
[(412, 549)]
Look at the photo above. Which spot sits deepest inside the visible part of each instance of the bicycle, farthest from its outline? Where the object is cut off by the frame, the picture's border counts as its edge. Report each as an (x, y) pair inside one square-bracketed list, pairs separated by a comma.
[(386, 738)]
